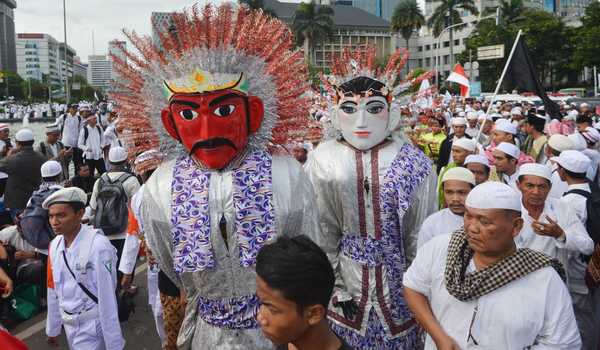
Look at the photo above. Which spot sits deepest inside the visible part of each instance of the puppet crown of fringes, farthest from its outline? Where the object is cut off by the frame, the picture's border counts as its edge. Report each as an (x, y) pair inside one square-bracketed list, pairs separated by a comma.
[(262, 44)]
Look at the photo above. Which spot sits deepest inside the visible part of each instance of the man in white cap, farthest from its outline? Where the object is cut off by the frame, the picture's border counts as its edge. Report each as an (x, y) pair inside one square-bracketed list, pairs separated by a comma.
[(591, 137), (557, 143), (70, 124), (92, 143), (550, 225), (461, 148), (472, 127), (456, 185), (476, 289), (486, 130), (54, 149), (110, 198), (23, 169), (506, 162), (81, 279), (572, 168), (459, 126), (5, 143), (480, 167)]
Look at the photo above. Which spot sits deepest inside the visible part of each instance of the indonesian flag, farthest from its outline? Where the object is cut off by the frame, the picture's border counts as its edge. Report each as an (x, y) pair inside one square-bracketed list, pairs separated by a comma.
[(458, 76)]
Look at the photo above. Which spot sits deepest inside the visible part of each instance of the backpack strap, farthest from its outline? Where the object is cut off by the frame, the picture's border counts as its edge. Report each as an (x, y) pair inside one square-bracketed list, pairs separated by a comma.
[(43, 148), (583, 193)]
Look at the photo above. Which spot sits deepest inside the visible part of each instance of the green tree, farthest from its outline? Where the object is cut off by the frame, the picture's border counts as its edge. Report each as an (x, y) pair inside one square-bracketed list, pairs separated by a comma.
[(258, 5), (406, 19), (448, 14), (13, 80), (34, 90), (587, 50), (511, 11), (311, 24), (85, 92)]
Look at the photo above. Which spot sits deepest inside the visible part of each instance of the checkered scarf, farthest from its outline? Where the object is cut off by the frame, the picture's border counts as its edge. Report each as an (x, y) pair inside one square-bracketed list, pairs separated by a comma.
[(467, 286)]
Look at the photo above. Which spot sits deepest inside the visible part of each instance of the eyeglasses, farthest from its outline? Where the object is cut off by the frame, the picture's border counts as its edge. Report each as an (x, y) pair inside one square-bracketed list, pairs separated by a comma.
[(470, 336)]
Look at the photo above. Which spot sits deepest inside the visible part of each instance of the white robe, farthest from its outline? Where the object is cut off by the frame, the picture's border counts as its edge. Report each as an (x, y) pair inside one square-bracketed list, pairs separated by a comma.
[(534, 310), (438, 223)]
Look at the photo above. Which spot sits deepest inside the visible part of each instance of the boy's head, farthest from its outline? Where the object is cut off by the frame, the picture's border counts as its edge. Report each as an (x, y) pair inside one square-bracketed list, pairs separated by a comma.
[(294, 284)]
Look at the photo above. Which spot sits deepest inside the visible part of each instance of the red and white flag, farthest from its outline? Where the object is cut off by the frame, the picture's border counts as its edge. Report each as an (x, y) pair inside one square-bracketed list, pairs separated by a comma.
[(458, 76)]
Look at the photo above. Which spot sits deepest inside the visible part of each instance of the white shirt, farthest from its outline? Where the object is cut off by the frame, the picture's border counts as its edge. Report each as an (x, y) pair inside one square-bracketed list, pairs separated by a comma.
[(576, 266), (534, 309), (439, 223), (100, 279), (472, 131), (71, 126), (132, 241), (511, 180), (594, 156), (110, 136), (92, 147), (559, 187), (577, 241)]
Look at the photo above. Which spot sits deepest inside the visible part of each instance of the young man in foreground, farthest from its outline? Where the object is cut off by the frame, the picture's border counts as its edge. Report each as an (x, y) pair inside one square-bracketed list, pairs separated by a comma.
[(294, 284)]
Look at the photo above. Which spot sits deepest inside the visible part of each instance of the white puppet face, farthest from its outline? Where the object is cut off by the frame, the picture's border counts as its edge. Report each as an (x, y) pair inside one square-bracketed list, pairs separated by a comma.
[(364, 121)]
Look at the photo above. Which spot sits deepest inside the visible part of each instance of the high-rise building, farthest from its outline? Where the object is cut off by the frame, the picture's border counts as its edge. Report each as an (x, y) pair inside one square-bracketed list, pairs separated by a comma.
[(99, 72), (79, 68), (41, 57), (571, 10), (8, 53), (379, 8)]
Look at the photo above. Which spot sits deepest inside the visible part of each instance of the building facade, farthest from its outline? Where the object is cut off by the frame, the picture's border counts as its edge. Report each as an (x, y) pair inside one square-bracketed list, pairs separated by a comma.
[(41, 57), (8, 53), (379, 8), (99, 72), (79, 68)]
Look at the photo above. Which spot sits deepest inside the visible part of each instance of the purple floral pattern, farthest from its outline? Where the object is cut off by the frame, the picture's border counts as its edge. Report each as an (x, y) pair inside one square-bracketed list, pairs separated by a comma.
[(375, 336), (190, 219), (190, 216), (237, 313), (367, 251), (407, 172)]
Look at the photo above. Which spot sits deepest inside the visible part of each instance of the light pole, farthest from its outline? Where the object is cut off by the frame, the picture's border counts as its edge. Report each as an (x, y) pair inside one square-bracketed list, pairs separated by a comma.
[(66, 58), (437, 53)]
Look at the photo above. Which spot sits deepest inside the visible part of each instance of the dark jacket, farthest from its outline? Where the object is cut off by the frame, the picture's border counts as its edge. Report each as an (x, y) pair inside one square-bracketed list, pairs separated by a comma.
[(23, 169), (445, 149)]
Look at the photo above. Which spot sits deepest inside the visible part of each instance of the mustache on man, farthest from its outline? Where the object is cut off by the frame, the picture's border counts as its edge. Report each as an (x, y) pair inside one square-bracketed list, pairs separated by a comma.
[(213, 143)]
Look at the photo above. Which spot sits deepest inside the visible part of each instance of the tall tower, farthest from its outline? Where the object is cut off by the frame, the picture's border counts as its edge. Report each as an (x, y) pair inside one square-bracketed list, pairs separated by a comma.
[(8, 51)]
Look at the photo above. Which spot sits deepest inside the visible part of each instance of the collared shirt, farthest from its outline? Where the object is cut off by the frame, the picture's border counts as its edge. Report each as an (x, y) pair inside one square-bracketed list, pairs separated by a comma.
[(559, 187), (92, 147), (511, 180), (71, 124), (534, 309), (100, 278), (472, 131), (439, 223)]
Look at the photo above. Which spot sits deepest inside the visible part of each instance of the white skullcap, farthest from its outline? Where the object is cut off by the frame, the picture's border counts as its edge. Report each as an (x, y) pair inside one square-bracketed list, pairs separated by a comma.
[(574, 161), (560, 143), (24, 135), (458, 121), (4, 126), (584, 105), (493, 195), (535, 169), (3, 175), (461, 114), (516, 111), (472, 115), (477, 158), (465, 144), (483, 117), (591, 135), (52, 128), (509, 149), (51, 168), (458, 109), (66, 195), (572, 114), (459, 174), (117, 154), (579, 143), (506, 126), (505, 114)]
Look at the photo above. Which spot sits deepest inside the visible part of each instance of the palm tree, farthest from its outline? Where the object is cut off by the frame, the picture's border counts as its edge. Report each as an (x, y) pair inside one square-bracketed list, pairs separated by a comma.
[(511, 11), (311, 24), (406, 19), (447, 14), (258, 5)]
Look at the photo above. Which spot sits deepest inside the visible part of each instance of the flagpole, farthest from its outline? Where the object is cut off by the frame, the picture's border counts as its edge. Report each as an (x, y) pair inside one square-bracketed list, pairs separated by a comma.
[(512, 51)]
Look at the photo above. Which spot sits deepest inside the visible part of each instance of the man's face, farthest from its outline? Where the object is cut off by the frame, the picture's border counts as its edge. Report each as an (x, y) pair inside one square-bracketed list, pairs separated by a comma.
[(92, 121), (4, 134), (582, 126), (63, 218), (459, 130), (364, 121), (491, 232), (487, 128), (213, 127), (84, 171), (480, 171), (501, 136), (279, 318), (434, 125), (52, 137), (459, 155), (503, 163), (534, 190), (472, 123), (300, 154), (455, 193)]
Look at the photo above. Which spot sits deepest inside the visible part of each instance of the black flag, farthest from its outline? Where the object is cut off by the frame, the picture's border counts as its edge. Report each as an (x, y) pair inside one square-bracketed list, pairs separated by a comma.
[(521, 73)]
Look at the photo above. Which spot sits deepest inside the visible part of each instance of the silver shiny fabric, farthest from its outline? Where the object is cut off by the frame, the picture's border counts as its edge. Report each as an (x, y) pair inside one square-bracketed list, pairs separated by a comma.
[(332, 169), (295, 213)]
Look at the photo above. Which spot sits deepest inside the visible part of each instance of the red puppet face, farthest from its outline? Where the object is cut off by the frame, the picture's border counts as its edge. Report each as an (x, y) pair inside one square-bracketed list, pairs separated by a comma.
[(213, 127)]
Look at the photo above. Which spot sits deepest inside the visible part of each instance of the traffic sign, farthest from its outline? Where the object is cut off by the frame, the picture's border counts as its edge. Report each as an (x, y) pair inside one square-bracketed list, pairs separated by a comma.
[(490, 52)]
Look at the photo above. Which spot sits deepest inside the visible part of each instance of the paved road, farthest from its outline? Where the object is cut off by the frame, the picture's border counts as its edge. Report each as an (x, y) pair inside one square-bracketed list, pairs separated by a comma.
[(139, 331)]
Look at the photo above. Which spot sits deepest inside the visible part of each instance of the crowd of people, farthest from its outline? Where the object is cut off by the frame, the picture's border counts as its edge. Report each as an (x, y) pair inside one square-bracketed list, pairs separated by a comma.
[(466, 224)]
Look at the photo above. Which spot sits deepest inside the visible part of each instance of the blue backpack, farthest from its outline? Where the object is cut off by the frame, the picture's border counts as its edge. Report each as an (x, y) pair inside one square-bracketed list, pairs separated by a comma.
[(35, 227)]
